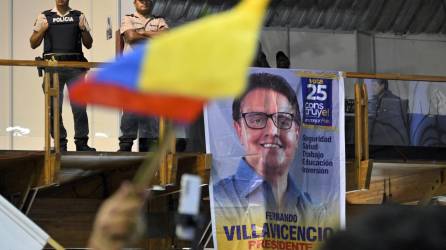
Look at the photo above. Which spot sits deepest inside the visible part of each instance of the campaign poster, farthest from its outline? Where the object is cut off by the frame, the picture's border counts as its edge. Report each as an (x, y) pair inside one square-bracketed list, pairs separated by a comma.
[(278, 169)]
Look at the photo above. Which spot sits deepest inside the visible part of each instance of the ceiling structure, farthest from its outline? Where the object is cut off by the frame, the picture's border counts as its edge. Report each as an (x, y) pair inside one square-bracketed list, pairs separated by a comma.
[(374, 16)]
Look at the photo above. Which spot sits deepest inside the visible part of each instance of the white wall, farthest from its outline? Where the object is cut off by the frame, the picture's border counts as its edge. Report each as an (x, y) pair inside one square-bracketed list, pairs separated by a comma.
[(383, 53), (127, 7), (5, 74), (272, 41), (421, 54), (28, 101), (104, 123), (321, 50), (365, 52), (310, 49)]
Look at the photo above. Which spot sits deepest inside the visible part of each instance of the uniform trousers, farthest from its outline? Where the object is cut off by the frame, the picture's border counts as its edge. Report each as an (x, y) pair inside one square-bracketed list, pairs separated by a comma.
[(66, 77), (133, 125)]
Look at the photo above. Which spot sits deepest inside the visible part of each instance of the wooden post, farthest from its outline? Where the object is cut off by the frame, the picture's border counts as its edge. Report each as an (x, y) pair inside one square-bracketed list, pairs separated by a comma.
[(362, 164), (45, 174), (55, 154), (358, 132), (56, 113), (365, 167), (52, 157), (365, 122), (169, 159), (46, 87)]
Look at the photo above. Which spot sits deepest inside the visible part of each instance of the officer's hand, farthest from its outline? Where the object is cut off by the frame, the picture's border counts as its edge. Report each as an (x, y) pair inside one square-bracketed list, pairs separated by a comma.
[(82, 24), (44, 26), (117, 219)]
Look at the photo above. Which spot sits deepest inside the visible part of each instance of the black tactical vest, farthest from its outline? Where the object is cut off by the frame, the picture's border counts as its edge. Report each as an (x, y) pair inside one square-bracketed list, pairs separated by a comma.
[(63, 34)]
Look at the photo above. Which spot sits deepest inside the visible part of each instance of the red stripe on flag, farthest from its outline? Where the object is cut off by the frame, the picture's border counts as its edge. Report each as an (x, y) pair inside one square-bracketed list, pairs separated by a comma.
[(182, 109)]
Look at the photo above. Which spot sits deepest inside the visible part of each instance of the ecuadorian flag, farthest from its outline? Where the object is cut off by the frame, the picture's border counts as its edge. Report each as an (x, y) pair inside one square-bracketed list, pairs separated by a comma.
[(175, 73)]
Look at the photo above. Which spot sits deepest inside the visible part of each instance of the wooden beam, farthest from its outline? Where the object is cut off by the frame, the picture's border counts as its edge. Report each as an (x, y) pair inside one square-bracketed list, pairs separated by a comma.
[(395, 76), (360, 75), (402, 189), (51, 64)]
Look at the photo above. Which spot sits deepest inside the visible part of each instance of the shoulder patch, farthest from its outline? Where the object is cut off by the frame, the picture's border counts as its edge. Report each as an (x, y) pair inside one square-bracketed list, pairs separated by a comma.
[(76, 12)]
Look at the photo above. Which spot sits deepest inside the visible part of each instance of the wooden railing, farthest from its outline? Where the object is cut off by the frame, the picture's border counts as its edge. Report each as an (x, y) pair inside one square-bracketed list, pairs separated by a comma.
[(395, 76), (51, 91), (362, 163), (50, 64)]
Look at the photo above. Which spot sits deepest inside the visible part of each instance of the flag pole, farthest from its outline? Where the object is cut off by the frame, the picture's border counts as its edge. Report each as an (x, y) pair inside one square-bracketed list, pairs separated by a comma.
[(151, 164), (146, 172)]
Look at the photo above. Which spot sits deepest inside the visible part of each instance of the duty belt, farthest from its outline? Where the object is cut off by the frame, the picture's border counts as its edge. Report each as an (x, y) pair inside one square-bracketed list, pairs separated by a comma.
[(65, 57)]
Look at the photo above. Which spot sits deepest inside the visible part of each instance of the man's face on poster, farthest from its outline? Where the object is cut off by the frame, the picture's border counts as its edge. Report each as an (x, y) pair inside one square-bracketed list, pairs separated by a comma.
[(270, 147)]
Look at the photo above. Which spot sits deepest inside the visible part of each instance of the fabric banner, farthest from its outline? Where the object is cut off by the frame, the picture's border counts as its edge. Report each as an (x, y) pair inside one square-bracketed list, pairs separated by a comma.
[(278, 170), (406, 113), (17, 231)]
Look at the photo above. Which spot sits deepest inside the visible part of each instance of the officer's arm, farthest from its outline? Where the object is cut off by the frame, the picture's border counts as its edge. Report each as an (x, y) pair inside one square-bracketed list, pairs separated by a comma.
[(36, 38), (162, 26), (151, 34), (40, 27), (131, 36), (87, 40)]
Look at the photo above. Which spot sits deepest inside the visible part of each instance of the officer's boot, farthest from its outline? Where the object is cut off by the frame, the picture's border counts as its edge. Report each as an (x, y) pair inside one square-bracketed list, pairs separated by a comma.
[(125, 146), (63, 148), (63, 145), (180, 145), (81, 145), (145, 144)]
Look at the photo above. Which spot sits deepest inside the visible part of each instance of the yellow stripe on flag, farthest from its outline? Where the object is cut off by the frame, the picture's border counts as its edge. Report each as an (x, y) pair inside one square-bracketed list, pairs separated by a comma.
[(208, 58)]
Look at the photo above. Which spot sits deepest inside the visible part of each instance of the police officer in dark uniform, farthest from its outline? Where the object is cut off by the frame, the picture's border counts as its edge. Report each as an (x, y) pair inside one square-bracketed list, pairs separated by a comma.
[(63, 31)]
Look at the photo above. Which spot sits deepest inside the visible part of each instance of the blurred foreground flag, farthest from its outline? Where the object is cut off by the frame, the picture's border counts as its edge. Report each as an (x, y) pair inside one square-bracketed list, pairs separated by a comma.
[(174, 74), (18, 232)]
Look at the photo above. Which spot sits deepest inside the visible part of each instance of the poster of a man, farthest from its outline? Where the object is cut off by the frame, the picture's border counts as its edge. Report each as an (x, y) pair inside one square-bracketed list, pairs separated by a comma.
[(266, 119), (262, 151)]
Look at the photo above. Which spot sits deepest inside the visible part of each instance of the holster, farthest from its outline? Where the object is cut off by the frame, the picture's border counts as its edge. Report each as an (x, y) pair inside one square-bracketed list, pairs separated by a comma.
[(39, 69)]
